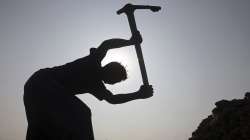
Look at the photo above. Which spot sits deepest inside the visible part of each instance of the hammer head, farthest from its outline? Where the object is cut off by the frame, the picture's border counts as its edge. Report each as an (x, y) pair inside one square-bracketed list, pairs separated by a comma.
[(130, 8)]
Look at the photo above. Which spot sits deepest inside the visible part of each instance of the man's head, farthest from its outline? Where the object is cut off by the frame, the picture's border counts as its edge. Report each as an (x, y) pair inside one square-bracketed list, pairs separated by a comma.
[(113, 73)]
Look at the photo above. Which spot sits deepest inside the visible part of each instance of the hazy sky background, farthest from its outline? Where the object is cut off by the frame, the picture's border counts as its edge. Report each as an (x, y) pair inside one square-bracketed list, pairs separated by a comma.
[(196, 53)]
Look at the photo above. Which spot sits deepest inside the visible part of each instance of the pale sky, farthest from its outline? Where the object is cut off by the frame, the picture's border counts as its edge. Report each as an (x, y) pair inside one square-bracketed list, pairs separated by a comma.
[(196, 53)]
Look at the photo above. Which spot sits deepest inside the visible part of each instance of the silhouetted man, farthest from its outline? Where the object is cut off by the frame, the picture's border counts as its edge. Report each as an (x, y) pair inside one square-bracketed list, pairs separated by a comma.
[(55, 113)]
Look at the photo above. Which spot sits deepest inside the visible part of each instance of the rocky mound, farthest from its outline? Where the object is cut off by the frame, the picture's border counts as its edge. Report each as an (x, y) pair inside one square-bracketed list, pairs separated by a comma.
[(230, 120)]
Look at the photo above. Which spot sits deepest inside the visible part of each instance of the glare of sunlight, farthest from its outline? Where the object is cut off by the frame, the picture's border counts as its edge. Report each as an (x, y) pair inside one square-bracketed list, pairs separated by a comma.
[(127, 57), (124, 56)]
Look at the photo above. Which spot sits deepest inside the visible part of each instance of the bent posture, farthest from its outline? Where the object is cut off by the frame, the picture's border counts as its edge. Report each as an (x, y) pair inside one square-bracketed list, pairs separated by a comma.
[(55, 113)]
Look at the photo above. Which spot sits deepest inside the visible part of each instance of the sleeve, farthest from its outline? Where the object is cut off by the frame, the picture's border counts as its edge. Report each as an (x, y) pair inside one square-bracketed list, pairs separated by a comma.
[(98, 53), (101, 92)]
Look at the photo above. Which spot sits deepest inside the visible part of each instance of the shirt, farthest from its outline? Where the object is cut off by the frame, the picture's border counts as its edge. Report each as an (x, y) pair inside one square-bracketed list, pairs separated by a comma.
[(82, 76)]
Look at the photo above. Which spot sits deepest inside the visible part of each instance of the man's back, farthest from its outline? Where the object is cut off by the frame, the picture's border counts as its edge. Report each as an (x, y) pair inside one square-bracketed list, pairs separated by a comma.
[(79, 76), (53, 113)]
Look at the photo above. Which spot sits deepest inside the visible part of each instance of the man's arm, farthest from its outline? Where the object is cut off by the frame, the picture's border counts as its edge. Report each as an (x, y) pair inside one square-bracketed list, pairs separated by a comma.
[(117, 43), (143, 93)]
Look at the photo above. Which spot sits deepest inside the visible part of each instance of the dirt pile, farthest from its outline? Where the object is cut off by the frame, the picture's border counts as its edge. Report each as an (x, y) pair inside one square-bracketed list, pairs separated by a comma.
[(230, 120)]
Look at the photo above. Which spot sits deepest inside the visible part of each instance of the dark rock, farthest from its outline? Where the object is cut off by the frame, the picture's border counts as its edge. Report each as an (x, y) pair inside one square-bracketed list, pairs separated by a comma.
[(230, 120), (247, 96), (222, 103)]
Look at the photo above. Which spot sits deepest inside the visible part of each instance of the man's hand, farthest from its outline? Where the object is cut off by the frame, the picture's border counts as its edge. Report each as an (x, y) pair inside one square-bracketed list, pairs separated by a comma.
[(145, 91), (136, 38)]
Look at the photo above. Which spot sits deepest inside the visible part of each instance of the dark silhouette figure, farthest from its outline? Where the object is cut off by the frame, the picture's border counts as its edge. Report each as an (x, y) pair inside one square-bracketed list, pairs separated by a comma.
[(55, 113)]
